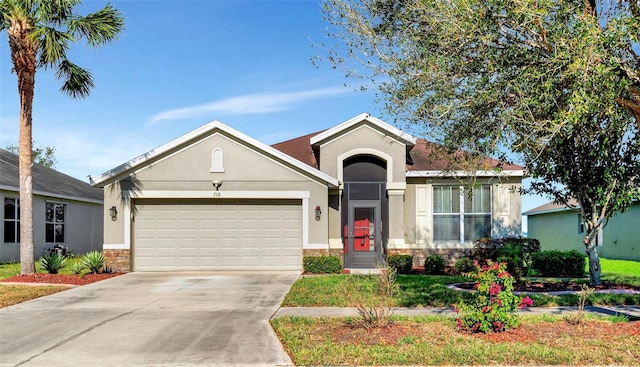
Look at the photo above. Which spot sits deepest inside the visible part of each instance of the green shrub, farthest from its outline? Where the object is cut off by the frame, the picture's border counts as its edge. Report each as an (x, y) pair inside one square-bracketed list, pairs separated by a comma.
[(464, 265), (493, 304), (434, 265), (322, 264), (52, 262), (516, 252), (94, 261), (401, 263), (77, 267), (554, 263)]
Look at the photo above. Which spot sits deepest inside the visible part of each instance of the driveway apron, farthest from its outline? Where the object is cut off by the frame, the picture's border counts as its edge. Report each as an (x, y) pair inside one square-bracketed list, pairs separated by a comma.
[(151, 319)]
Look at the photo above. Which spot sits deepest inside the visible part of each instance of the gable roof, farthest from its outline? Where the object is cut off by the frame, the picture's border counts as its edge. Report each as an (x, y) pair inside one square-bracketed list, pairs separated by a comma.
[(552, 207), (204, 131), (46, 181), (390, 130), (419, 162)]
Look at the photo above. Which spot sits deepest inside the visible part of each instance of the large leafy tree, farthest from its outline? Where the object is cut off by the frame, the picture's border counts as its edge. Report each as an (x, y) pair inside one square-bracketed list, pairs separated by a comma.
[(41, 155), (40, 33), (553, 83)]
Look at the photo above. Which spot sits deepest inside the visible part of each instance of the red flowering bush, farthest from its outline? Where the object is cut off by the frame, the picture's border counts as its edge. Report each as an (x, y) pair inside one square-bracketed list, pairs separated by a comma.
[(494, 302)]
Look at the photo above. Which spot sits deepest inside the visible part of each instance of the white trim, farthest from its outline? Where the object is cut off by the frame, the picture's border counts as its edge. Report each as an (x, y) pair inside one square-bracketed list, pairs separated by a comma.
[(395, 192), (553, 210), (179, 194), (396, 133), (396, 185), (127, 225), (305, 222), (53, 195), (369, 151), (206, 129), (503, 173), (316, 246), (116, 246)]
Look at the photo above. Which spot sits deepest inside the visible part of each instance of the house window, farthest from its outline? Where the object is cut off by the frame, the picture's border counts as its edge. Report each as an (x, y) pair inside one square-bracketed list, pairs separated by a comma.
[(54, 223), (217, 160), (460, 214), (11, 220)]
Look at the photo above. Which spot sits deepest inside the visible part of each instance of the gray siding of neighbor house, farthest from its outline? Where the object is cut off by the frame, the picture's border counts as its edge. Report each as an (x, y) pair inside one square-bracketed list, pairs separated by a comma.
[(188, 168), (560, 231), (83, 226)]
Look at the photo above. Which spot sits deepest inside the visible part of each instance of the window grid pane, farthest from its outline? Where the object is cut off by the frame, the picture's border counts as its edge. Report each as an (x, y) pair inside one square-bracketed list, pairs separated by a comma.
[(471, 223), (54, 224)]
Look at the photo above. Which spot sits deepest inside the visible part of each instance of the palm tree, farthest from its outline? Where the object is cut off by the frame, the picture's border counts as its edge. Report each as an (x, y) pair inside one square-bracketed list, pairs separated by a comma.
[(40, 32)]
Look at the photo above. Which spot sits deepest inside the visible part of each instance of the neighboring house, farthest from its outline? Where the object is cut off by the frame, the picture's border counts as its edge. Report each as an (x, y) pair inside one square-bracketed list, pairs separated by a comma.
[(66, 211), (218, 199), (558, 227)]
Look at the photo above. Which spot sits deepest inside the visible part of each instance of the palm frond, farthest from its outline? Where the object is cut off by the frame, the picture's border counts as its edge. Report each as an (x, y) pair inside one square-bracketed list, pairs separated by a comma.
[(100, 27), (53, 45), (77, 81), (55, 12)]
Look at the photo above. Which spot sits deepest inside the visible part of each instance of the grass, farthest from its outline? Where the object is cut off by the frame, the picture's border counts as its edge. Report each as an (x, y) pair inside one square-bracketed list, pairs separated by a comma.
[(432, 291), (14, 294), (435, 341), (9, 270)]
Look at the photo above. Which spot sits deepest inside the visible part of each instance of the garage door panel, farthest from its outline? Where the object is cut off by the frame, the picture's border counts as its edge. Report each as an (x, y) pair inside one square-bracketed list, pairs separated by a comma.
[(196, 236)]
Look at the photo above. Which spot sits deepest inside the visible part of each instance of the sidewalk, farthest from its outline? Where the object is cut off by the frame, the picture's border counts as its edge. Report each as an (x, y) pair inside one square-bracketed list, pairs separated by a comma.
[(632, 312)]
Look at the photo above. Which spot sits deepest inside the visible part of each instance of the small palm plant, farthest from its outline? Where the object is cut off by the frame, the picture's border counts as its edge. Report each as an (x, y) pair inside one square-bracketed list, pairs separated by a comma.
[(94, 261), (52, 263), (77, 267)]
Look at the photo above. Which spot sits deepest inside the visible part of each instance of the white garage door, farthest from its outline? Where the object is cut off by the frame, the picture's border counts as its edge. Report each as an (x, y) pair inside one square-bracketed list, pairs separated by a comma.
[(197, 235)]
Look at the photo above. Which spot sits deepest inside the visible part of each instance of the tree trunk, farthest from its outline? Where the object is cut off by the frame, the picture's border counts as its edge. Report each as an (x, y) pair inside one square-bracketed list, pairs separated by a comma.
[(594, 261), (24, 57)]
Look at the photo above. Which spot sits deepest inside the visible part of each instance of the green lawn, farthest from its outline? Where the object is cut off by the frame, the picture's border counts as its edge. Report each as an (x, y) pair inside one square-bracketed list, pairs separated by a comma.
[(435, 341), (432, 291), (13, 269)]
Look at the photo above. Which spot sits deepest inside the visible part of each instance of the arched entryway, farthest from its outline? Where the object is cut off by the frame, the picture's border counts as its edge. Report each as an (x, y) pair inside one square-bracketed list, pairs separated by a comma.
[(364, 211)]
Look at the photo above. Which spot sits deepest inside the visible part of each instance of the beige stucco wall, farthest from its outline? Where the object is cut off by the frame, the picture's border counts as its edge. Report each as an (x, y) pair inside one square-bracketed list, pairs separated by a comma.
[(367, 139), (560, 231), (83, 226), (245, 170), (363, 139)]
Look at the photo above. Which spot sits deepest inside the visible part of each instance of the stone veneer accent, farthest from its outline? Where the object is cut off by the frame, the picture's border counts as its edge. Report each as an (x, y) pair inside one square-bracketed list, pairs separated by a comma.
[(419, 255), (118, 260)]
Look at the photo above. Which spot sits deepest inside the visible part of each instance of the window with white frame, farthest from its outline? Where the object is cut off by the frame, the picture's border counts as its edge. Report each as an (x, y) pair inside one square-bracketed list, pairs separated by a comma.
[(217, 160), (11, 220), (461, 214), (55, 223)]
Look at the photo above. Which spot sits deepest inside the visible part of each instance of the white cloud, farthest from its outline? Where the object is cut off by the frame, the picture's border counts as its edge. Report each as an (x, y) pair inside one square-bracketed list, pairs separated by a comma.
[(259, 103)]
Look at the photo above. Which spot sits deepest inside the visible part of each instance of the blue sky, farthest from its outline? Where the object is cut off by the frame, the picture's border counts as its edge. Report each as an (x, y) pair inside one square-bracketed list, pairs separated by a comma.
[(181, 64)]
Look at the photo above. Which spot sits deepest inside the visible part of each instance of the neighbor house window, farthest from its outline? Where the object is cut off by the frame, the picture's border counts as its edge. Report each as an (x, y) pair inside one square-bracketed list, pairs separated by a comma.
[(54, 223), (11, 220), (580, 224), (461, 214)]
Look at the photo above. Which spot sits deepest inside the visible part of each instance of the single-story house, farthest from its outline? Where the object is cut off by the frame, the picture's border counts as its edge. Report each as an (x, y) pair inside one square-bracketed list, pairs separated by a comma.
[(559, 227), (66, 211), (216, 198)]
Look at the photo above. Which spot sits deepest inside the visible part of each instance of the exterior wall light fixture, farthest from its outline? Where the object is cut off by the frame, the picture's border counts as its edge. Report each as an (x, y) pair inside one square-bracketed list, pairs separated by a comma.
[(217, 184), (113, 212), (318, 212)]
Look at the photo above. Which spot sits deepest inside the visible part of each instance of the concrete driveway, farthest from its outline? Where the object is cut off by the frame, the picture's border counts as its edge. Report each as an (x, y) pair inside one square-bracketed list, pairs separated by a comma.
[(151, 319)]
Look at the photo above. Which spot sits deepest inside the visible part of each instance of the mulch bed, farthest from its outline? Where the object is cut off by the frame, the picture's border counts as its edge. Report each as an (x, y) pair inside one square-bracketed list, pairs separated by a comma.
[(71, 279), (536, 286)]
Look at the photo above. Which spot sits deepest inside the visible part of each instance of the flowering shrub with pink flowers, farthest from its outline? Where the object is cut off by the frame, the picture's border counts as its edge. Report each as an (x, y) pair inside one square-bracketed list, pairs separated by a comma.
[(494, 303)]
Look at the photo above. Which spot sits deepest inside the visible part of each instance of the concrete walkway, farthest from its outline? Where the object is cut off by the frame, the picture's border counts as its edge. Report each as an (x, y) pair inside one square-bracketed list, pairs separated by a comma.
[(632, 312)]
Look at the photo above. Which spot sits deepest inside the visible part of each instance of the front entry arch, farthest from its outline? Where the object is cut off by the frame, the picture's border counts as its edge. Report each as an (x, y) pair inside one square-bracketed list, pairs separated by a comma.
[(364, 211)]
